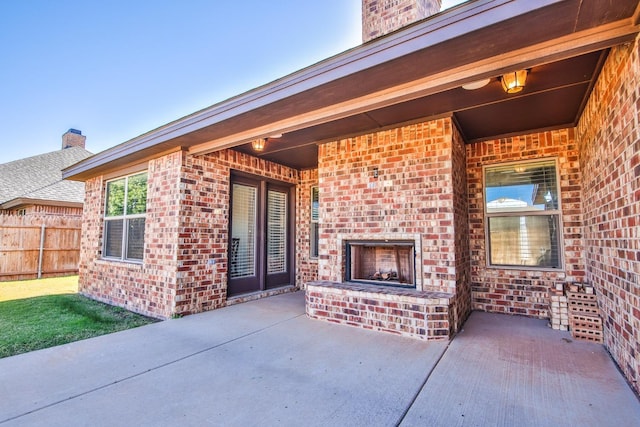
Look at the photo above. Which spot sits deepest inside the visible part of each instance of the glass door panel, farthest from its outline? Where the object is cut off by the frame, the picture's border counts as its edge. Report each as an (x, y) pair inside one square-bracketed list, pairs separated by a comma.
[(242, 245), (276, 232), (243, 231)]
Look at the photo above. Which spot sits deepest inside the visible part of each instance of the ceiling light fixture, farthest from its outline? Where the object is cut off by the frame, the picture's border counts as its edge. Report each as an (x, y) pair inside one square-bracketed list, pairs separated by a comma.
[(258, 144), (476, 85), (513, 82)]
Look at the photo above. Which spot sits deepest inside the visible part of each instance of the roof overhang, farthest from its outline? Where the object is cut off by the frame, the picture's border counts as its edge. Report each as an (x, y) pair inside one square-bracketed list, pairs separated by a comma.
[(25, 201), (396, 77)]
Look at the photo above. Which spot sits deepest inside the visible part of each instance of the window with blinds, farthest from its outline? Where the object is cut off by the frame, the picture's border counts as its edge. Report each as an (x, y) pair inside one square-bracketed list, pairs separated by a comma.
[(276, 232), (124, 217), (522, 207), (243, 232)]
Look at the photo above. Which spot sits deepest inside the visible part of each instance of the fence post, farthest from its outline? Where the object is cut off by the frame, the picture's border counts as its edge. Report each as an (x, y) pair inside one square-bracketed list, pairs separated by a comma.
[(41, 255)]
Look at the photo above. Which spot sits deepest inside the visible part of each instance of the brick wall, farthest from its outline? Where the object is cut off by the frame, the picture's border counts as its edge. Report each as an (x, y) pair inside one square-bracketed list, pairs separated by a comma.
[(147, 288), (462, 302), (412, 198), (514, 291), (202, 235), (380, 17), (609, 139), (307, 267), (186, 234)]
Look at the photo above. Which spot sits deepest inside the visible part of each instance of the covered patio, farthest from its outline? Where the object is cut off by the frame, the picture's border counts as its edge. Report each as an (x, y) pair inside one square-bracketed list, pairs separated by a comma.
[(409, 147), (266, 363)]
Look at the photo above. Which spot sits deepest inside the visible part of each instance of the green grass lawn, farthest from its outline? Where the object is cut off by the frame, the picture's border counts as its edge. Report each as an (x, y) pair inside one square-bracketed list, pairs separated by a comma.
[(45, 321)]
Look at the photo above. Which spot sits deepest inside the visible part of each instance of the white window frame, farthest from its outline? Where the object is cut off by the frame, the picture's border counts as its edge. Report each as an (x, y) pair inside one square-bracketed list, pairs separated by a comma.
[(521, 213), (125, 220), (314, 223)]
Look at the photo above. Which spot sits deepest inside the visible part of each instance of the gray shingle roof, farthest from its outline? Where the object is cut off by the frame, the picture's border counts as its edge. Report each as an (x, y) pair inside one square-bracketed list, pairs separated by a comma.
[(40, 177)]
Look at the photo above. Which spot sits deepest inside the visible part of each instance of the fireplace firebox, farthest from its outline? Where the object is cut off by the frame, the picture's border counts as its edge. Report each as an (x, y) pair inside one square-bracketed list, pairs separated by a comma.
[(383, 262)]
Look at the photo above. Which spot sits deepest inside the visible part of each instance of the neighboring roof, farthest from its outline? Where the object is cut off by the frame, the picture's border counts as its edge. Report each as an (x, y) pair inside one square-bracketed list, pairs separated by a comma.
[(39, 179), (505, 204), (412, 74)]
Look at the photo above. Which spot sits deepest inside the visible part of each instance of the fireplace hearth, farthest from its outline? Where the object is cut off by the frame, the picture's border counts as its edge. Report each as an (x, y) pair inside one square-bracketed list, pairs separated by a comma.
[(381, 262)]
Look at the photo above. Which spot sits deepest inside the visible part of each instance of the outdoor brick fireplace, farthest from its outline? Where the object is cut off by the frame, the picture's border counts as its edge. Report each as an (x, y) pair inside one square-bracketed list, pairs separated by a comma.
[(381, 288), (380, 262), (392, 252)]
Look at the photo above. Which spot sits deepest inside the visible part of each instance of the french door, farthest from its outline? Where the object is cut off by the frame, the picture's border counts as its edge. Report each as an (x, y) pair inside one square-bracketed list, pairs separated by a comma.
[(260, 248)]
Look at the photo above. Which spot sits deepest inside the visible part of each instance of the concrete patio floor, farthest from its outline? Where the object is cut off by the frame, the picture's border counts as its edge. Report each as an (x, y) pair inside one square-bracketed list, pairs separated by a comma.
[(265, 363)]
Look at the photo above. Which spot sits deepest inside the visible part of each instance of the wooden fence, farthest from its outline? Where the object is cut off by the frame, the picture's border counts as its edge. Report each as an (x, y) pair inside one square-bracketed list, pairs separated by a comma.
[(38, 246)]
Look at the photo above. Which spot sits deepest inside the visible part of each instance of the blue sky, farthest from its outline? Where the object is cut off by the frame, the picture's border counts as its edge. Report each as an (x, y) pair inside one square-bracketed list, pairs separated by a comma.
[(119, 68)]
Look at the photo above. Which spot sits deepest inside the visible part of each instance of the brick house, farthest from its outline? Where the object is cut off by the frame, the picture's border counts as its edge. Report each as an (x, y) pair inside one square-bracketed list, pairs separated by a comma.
[(419, 160), (34, 185)]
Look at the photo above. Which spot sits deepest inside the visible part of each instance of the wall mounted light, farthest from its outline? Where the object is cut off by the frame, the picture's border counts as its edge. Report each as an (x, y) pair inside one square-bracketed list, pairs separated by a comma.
[(258, 144), (513, 82)]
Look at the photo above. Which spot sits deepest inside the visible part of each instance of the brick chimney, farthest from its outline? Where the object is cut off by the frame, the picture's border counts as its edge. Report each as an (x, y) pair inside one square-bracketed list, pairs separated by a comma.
[(73, 138), (380, 17)]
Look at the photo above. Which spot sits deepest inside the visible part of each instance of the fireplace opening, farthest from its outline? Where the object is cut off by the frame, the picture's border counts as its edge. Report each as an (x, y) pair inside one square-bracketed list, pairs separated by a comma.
[(384, 262)]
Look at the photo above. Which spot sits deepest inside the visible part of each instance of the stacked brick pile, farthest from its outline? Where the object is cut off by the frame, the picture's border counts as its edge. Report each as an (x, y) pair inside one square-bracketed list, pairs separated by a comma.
[(574, 307), (584, 314), (559, 309)]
